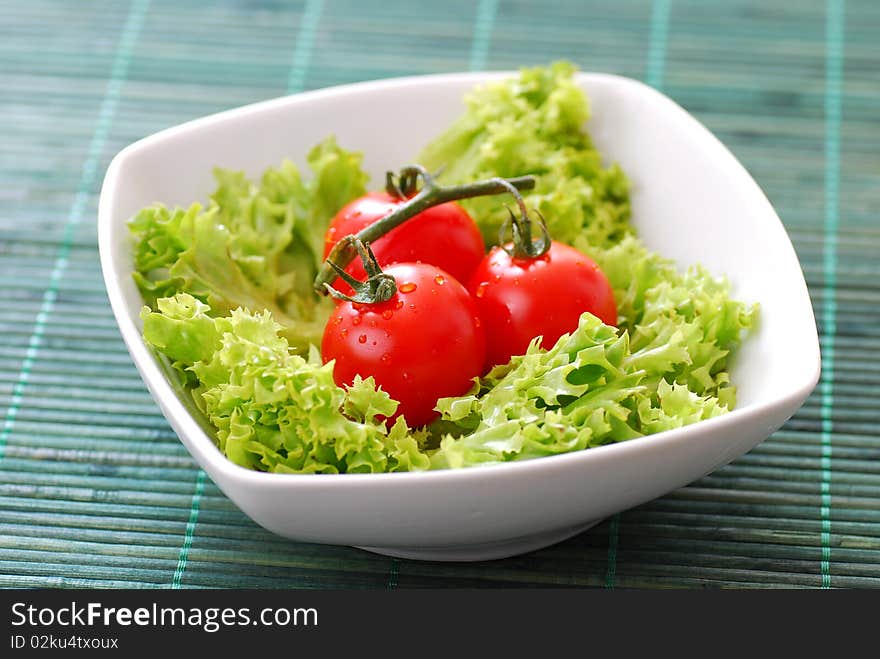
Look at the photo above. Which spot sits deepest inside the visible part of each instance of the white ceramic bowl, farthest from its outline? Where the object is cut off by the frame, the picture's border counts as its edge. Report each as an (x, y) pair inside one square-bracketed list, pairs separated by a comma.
[(692, 201)]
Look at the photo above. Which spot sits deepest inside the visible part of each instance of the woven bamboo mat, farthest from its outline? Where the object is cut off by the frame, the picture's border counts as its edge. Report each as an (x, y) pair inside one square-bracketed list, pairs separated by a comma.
[(96, 490)]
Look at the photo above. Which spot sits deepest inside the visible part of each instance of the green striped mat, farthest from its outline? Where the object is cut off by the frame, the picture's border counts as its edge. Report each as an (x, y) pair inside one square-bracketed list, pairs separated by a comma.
[(96, 490)]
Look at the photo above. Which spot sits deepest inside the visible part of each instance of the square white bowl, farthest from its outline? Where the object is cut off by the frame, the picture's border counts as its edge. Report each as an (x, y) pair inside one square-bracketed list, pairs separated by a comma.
[(692, 201)]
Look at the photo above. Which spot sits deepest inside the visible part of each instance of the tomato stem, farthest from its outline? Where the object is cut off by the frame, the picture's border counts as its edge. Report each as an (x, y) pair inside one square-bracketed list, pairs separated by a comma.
[(378, 286), (392, 188), (431, 194), (524, 246)]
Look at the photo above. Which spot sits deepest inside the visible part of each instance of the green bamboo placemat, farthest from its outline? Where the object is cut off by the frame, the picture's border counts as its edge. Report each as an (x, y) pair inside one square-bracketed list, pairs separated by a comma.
[(96, 490)]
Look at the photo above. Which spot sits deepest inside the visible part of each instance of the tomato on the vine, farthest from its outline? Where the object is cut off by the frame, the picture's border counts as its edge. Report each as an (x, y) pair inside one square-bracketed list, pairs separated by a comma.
[(444, 235), (423, 343), (520, 298)]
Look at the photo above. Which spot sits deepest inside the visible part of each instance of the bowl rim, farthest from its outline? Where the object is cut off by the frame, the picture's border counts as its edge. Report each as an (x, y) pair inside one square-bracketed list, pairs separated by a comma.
[(203, 447)]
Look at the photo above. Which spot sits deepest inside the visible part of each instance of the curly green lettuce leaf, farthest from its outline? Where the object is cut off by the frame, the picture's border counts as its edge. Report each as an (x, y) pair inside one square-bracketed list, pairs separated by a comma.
[(257, 246), (544, 402), (275, 410), (684, 326), (593, 387), (534, 124)]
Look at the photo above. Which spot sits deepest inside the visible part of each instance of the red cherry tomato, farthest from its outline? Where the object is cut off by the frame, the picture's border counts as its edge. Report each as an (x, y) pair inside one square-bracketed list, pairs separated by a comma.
[(521, 298), (422, 344), (443, 235)]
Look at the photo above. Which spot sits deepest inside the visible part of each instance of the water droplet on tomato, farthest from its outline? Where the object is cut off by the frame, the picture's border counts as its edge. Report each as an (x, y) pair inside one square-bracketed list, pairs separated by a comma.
[(372, 322), (477, 322), (337, 320), (496, 278), (399, 305), (387, 314), (412, 306), (516, 282), (440, 279), (362, 338), (408, 287), (356, 320), (386, 358), (344, 332), (481, 289)]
